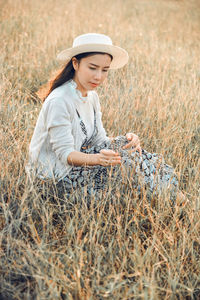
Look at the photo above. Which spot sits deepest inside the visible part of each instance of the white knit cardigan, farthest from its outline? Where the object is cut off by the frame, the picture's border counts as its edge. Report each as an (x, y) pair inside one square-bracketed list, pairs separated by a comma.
[(58, 131)]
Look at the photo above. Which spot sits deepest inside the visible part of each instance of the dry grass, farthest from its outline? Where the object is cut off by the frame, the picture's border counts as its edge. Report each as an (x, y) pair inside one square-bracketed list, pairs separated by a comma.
[(122, 249)]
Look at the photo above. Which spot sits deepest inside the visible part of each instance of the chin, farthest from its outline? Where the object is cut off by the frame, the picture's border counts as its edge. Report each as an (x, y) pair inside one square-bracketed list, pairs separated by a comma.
[(90, 88)]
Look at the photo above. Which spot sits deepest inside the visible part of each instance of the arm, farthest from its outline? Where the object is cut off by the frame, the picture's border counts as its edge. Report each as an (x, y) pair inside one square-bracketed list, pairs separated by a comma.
[(59, 126), (104, 158), (77, 158), (62, 141)]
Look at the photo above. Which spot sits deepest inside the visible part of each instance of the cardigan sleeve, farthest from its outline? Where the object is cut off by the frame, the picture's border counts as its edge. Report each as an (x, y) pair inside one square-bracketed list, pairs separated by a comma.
[(101, 136), (59, 127)]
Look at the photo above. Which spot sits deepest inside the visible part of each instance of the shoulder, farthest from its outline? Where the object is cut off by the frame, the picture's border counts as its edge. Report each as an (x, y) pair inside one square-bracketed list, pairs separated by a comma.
[(62, 92), (61, 96), (58, 103)]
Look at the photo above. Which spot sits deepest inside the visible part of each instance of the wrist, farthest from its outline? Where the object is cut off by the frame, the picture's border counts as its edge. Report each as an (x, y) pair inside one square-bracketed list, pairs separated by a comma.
[(92, 159), (97, 159)]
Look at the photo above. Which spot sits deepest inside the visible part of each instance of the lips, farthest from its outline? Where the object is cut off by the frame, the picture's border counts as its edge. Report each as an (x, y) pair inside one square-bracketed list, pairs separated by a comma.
[(94, 84)]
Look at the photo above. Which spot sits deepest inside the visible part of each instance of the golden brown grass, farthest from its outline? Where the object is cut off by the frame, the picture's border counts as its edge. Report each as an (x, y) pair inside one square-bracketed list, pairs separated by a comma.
[(124, 248)]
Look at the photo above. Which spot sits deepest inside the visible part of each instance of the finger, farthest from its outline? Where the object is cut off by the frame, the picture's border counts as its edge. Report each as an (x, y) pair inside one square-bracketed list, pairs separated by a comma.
[(107, 152), (133, 143), (139, 149), (108, 159), (129, 136), (113, 161), (129, 145)]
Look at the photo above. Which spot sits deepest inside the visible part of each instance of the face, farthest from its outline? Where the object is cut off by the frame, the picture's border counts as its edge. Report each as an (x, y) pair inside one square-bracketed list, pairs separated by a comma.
[(91, 71)]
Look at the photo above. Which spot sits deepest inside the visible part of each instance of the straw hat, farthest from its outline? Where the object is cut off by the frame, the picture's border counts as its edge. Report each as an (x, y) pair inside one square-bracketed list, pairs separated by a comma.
[(95, 42)]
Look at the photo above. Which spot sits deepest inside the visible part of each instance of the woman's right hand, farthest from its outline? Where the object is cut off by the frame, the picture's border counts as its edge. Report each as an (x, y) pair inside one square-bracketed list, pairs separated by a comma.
[(109, 158)]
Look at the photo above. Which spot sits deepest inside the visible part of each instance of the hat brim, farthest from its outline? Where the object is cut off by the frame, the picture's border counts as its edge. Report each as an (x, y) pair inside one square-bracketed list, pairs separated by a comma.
[(120, 56)]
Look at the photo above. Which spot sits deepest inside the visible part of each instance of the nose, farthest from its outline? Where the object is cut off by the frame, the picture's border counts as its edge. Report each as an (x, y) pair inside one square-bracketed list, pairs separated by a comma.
[(98, 75)]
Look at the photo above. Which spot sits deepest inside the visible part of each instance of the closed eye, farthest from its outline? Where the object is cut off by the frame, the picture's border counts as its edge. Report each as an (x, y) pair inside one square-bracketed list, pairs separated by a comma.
[(91, 68)]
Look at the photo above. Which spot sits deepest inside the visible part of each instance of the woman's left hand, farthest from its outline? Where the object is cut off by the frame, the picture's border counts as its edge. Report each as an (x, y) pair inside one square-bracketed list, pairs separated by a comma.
[(134, 142)]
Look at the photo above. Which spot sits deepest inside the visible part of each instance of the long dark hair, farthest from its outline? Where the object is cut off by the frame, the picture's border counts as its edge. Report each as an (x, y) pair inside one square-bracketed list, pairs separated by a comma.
[(68, 71)]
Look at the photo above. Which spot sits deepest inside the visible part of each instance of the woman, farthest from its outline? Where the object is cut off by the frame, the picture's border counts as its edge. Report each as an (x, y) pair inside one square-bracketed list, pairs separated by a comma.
[(69, 143)]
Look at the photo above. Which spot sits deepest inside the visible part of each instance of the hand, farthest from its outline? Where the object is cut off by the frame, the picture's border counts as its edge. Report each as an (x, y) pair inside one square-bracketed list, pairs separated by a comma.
[(134, 142), (109, 158)]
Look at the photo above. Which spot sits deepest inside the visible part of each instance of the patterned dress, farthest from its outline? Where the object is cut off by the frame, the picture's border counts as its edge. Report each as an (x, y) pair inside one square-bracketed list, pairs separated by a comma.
[(147, 172)]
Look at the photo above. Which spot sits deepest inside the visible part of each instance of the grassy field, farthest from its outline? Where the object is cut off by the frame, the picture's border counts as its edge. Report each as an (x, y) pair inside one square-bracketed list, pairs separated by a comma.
[(124, 248)]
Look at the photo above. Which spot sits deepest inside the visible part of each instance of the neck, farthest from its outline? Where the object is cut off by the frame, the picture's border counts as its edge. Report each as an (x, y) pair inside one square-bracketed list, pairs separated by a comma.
[(80, 87)]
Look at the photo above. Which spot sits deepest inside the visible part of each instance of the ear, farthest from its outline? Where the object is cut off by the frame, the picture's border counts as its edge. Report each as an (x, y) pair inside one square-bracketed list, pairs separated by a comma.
[(75, 63)]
